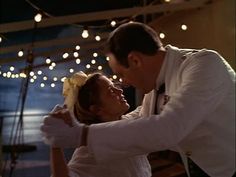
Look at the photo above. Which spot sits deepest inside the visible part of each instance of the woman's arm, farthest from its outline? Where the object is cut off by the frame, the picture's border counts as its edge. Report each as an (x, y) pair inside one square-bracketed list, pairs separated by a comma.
[(58, 163)]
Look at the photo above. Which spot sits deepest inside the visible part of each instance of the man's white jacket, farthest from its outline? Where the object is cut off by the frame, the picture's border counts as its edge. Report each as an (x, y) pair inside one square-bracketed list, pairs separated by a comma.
[(198, 120)]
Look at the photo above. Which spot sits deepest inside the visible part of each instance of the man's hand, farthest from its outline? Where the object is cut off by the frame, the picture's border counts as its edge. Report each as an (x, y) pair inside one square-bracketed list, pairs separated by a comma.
[(58, 133)]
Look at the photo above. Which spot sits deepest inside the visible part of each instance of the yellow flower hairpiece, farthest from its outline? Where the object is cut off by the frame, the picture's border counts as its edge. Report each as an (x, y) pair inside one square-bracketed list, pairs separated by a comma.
[(71, 87)]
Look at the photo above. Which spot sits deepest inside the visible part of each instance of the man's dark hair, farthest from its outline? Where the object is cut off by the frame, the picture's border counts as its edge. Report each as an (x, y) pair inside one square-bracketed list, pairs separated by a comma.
[(132, 37)]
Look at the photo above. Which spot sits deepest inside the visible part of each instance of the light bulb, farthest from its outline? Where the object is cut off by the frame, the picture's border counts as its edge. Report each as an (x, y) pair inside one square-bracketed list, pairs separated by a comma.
[(50, 67), (114, 76), (53, 64), (99, 67), (88, 66), (20, 53), (42, 85), (63, 79), (22, 75), (113, 23), (40, 72), (93, 61), (8, 74), (76, 54), (77, 61), (48, 60), (38, 17), (65, 55), (77, 47), (95, 54), (12, 68), (31, 73), (162, 35), (85, 33), (97, 38), (184, 27)]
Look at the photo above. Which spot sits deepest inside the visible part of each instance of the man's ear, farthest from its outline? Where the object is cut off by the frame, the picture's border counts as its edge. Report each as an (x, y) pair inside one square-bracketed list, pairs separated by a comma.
[(134, 59), (95, 110)]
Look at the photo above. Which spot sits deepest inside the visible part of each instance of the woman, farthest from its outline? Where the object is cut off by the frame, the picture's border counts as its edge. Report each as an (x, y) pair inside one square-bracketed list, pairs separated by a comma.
[(95, 99)]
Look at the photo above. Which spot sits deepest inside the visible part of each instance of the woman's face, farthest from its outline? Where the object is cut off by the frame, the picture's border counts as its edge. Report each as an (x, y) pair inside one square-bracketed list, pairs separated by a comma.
[(112, 102)]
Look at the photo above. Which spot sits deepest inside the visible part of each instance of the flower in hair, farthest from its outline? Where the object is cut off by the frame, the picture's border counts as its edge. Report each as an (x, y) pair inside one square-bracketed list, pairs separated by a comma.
[(71, 87)]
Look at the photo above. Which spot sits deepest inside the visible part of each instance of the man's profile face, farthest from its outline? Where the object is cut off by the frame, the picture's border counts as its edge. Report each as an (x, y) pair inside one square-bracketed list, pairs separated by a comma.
[(121, 71), (131, 75)]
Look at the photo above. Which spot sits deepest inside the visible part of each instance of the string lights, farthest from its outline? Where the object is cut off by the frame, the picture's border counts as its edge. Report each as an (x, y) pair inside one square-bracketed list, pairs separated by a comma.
[(94, 63), (34, 78), (71, 70)]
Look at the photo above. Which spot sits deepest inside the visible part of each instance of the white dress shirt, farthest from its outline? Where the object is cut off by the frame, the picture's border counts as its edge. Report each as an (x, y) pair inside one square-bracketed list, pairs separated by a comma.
[(198, 121)]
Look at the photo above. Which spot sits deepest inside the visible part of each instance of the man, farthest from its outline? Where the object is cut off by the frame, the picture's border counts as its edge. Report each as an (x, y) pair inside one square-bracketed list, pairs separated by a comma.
[(195, 117)]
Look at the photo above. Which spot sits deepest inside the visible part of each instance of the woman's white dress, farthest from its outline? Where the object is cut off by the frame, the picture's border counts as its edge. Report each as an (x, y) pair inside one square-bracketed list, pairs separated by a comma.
[(83, 164)]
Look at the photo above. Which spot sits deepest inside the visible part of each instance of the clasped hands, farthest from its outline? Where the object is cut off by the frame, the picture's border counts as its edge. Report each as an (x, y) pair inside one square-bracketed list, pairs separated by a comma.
[(61, 129)]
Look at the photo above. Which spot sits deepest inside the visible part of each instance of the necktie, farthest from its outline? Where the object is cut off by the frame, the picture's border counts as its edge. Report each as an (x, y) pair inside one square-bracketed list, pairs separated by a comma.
[(160, 91), (195, 170)]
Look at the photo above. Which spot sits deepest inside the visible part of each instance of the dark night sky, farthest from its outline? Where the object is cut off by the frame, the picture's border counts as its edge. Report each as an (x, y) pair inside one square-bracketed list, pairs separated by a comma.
[(44, 99)]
